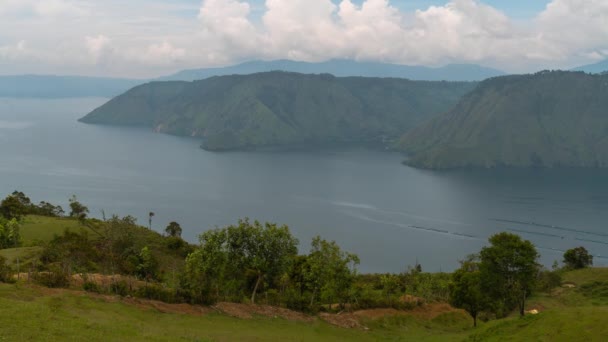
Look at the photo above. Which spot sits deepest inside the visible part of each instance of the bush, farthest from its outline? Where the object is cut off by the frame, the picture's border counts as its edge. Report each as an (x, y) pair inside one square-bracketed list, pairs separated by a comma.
[(120, 288), (90, 286), (5, 271), (156, 293), (578, 257), (548, 280), (56, 277)]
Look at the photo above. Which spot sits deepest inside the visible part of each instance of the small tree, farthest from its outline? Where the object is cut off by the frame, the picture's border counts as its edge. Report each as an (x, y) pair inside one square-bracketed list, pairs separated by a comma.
[(577, 258), (465, 288), (330, 271), (150, 215), (147, 267), (174, 229), (77, 209), (10, 236), (508, 271), (12, 208)]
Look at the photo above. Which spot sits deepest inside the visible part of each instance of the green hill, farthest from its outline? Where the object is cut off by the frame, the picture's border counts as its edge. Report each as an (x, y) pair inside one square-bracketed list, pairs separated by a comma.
[(548, 119), (280, 108)]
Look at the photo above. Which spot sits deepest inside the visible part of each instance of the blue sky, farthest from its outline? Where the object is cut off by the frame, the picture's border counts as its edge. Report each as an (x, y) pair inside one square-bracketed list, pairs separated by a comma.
[(146, 38)]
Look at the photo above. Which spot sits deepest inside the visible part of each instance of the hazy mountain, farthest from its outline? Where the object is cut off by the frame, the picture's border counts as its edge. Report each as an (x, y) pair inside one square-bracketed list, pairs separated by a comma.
[(596, 68), (63, 86), (546, 119), (344, 68), (280, 108)]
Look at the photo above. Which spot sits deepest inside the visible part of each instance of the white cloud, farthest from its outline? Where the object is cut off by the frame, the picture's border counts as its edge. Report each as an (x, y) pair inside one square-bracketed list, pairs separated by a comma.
[(97, 46), (152, 37)]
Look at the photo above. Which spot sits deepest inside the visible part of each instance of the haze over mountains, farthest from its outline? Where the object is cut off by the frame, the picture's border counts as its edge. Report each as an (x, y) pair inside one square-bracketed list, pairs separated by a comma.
[(281, 108), (595, 68), (547, 119), (344, 68), (76, 86), (50, 86)]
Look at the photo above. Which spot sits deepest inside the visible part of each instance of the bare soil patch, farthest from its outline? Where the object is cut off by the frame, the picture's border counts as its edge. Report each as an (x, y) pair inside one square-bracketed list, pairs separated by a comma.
[(248, 311)]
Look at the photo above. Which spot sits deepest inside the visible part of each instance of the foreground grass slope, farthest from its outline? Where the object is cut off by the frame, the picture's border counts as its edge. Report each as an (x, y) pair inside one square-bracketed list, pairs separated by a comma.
[(27, 313), (577, 312)]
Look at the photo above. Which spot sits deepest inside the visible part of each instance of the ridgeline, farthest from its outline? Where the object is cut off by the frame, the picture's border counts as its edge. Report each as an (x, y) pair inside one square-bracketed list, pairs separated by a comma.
[(549, 119), (281, 108)]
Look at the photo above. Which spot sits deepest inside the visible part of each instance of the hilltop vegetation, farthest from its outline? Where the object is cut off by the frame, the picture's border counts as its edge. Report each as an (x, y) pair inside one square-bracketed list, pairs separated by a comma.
[(548, 119), (281, 109)]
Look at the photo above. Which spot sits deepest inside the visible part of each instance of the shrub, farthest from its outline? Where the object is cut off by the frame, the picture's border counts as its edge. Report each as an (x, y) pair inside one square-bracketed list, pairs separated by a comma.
[(90, 286)]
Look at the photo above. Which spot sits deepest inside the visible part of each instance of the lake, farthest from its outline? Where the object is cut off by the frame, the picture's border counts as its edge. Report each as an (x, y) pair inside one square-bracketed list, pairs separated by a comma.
[(365, 199)]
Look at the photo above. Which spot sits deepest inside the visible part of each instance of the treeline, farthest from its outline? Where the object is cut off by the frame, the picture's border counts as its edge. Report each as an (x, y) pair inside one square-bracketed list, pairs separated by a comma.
[(256, 262)]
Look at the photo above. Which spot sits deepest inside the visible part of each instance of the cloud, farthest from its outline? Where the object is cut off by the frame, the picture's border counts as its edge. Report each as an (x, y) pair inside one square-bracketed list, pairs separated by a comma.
[(41, 8), (152, 37), (97, 46)]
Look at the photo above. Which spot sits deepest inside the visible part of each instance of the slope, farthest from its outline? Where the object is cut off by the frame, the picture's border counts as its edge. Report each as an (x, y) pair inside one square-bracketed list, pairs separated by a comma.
[(280, 108), (543, 120)]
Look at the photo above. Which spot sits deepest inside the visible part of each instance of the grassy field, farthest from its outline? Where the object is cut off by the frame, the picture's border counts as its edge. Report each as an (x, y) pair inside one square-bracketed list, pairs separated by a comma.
[(34, 313), (38, 314), (36, 229), (28, 313)]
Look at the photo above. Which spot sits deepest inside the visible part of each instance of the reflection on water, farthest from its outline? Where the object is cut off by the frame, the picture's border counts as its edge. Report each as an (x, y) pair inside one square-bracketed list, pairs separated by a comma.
[(365, 199)]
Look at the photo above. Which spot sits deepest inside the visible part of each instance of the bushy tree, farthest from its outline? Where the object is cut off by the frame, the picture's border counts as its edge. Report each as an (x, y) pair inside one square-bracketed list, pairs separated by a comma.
[(147, 267), (13, 208), (227, 256), (77, 209), (10, 236), (330, 272), (465, 288), (508, 270), (577, 258), (174, 229)]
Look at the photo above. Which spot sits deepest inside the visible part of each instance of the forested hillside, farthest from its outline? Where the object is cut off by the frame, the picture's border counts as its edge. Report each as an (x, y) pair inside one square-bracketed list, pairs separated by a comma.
[(548, 119), (280, 108)]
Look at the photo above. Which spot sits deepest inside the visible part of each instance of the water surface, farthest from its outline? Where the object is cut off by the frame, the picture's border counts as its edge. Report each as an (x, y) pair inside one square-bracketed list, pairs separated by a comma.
[(389, 214)]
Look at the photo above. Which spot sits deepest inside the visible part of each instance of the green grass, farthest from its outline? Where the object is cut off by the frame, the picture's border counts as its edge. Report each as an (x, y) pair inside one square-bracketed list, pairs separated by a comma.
[(37, 229), (28, 313)]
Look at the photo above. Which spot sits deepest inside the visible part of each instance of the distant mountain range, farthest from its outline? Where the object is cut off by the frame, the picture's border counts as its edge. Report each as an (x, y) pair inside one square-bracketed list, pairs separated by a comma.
[(345, 68), (543, 120), (48, 86), (281, 108), (63, 86), (596, 68)]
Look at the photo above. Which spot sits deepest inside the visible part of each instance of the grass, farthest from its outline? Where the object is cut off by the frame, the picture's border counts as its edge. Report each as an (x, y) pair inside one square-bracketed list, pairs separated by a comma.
[(31, 313), (37, 229)]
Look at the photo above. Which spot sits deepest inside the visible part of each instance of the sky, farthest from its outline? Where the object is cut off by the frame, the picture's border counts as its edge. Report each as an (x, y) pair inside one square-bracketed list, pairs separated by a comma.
[(149, 38)]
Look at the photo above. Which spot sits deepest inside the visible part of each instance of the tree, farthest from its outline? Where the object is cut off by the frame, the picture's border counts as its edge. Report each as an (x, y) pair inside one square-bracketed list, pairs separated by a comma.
[(48, 209), (330, 272), (465, 288), (12, 208), (78, 210), (577, 258), (227, 256), (147, 267), (174, 229), (150, 215), (10, 236), (508, 270)]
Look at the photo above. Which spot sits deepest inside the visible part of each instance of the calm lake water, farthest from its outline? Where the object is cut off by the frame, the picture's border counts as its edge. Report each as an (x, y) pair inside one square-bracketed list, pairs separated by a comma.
[(387, 213)]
